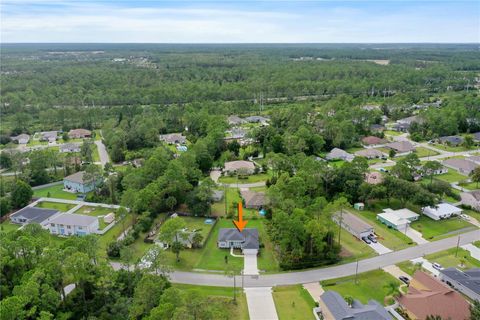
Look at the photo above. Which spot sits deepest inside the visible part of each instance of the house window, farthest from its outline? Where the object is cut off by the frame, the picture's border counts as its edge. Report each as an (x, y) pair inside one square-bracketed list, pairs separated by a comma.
[(52, 224), (80, 228), (69, 227)]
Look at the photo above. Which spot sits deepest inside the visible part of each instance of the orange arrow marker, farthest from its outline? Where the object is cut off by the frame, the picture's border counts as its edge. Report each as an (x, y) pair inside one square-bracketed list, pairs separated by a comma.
[(240, 224)]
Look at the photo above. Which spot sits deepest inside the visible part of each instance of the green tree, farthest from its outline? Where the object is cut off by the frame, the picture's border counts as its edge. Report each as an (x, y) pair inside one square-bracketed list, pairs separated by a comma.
[(21, 194), (430, 167), (475, 176), (171, 233)]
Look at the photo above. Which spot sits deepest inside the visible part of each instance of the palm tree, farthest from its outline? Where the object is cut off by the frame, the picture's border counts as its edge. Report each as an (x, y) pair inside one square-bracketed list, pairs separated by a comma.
[(475, 175), (392, 290)]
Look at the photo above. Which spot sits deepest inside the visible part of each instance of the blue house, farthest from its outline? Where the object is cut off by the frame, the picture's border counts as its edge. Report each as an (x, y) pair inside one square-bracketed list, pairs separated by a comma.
[(77, 183)]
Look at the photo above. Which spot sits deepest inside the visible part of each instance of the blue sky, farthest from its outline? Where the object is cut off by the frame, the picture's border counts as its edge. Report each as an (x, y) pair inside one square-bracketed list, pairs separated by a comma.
[(239, 21)]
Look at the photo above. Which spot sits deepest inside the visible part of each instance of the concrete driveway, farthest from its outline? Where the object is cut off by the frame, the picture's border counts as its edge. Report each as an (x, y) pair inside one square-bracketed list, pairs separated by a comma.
[(474, 251), (415, 236), (379, 248), (250, 264), (427, 265), (260, 303), (396, 271)]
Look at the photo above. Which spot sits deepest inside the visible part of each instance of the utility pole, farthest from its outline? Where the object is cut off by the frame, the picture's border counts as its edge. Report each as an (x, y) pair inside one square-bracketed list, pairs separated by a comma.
[(458, 245), (340, 225)]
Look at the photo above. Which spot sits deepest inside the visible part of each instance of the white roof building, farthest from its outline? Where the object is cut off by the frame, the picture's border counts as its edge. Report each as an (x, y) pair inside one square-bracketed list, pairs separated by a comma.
[(442, 211), (73, 224), (397, 219)]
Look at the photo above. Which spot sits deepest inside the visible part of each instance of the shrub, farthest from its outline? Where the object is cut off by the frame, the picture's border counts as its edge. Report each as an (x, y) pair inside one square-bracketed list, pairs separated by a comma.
[(113, 249)]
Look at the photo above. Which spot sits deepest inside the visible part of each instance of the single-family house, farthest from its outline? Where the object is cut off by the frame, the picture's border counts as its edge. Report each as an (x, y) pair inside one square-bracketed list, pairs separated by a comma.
[(404, 124), (33, 215), (217, 195), (333, 307), (370, 153), (232, 167), (461, 165), (247, 240), (374, 177), (441, 211), (173, 138), (235, 134), (427, 296), (185, 237), (353, 224), (234, 120), (69, 147), (373, 141), (401, 147), (69, 224), (476, 137), (471, 199), (339, 154), (79, 182), (79, 134), (50, 136), (451, 140), (253, 199), (377, 127), (397, 219), (257, 119), (21, 138), (467, 282)]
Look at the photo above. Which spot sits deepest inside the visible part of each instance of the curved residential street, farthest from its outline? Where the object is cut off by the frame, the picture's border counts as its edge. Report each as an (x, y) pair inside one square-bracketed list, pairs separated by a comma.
[(316, 275)]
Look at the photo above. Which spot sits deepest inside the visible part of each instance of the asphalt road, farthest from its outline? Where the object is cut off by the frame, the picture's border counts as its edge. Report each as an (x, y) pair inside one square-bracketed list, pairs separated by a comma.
[(314, 275), (102, 152)]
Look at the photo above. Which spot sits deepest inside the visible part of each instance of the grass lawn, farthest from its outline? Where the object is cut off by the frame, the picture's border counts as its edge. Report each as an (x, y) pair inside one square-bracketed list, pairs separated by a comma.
[(447, 259), (336, 163), (222, 296), (431, 229), (408, 267), (353, 248), (232, 195), (370, 285), (213, 258), (64, 207), (259, 189), (472, 213), (392, 133), (55, 191), (95, 155), (470, 185), (449, 148), (293, 303), (8, 226), (96, 212), (451, 176), (424, 152), (112, 235), (249, 179), (390, 238)]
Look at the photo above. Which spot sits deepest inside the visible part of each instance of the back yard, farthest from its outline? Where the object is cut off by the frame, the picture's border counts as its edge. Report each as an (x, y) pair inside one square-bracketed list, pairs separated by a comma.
[(55, 191), (64, 207)]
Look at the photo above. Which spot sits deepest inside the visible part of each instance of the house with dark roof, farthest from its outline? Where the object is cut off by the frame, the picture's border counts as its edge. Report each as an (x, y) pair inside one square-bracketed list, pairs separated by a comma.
[(377, 127), (476, 136), (451, 140), (471, 199), (461, 165), (339, 154), (404, 124), (467, 282), (373, 141), (253, 200), (33, 215), (79, 182), (232, 238), (353, 224), (427, 296), (401, 147), (50, 136), (69, 147), (173, 138), (334, 307)]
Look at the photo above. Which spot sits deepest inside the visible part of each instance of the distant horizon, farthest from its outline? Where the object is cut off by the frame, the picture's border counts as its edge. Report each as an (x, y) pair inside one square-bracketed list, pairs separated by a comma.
[(239, 22)]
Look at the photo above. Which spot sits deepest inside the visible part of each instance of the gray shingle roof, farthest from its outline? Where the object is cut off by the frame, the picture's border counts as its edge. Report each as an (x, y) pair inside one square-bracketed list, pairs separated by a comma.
[(34, 214), (248, 235), (77, 177), (469, 278), (74, 219), (358, 311)]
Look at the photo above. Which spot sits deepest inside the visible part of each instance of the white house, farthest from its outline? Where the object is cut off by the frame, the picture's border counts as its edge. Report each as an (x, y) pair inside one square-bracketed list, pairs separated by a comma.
[(69, 224), (397, 219), (442, 211), (471, 199)]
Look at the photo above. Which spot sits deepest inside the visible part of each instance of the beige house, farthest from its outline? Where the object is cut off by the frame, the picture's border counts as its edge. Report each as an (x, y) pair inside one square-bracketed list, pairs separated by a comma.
[(79, 133), (232, 167)]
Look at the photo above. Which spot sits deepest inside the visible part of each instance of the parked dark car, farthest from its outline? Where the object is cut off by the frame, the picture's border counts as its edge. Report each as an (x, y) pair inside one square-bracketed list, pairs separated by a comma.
[(366, 240), (404, 279), (372, 238)]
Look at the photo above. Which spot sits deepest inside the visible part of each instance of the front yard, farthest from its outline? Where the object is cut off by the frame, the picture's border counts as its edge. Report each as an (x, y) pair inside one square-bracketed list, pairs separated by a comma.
[(432, 229), (353, 248), (425, 152), (448, 259), (63, 207), (293, 303), (451, 176), (370, 285), (248, 179)]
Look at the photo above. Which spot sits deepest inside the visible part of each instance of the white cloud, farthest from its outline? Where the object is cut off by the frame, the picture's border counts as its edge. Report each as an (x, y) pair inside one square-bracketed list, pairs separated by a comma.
[(60, 21)]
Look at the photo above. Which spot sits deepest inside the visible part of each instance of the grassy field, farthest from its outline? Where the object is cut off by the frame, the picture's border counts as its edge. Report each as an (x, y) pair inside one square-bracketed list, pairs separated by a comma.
[(95, 155), (449, 148), (424, 152), (64, 207), (8, 226), (390, 238), (353, 248), (55, 191), (293, 303), (249, 179), (447, 259), (223, 296), (451, 176), (472, 213), (370, 285), (470, 185), (232, 195), (408, 267), (392, 133), (431, 229)]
